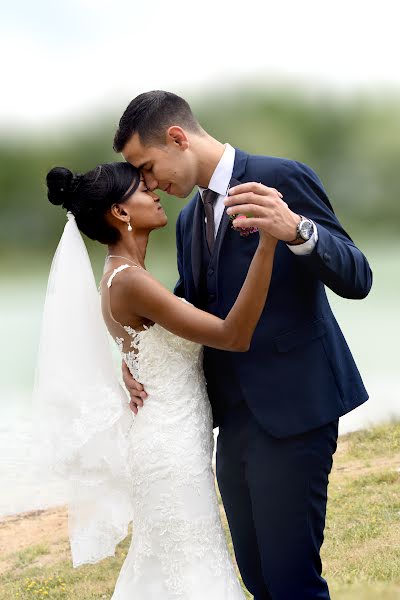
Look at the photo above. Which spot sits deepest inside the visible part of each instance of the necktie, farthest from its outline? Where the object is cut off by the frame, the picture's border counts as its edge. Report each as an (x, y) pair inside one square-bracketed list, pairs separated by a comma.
[(209, 198)]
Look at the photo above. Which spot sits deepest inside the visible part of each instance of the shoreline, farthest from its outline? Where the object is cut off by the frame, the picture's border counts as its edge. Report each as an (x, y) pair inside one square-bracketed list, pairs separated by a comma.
[(62, 506), (46, 528), (360, 554), (27, 514), (54, 497)]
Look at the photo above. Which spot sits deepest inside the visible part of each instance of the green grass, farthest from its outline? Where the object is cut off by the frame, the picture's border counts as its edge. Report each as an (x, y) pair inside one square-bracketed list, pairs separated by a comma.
[(382, 440), (361, 553), (28, 555)]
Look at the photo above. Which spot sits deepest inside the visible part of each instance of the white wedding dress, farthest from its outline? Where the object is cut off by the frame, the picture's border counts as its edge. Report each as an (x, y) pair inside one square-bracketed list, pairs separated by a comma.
[(178, 548)]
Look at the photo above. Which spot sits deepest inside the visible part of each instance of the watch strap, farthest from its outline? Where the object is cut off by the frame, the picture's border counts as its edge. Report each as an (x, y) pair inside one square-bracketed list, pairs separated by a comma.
[(298, 236)]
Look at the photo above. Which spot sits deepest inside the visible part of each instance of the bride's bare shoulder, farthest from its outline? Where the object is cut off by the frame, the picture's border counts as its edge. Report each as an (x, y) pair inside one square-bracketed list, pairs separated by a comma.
[(132, 284), (132, 289), (124, 275)]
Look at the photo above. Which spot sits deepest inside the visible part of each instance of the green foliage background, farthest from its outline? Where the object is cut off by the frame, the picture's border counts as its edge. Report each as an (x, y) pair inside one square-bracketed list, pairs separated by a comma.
[(353, 144)]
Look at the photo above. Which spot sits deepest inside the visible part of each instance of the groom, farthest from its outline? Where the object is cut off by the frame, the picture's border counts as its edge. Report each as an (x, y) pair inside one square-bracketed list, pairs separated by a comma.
[(277, 406)]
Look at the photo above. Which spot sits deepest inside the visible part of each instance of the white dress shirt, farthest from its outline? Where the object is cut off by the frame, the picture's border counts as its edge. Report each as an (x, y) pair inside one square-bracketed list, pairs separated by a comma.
[(219, 183)]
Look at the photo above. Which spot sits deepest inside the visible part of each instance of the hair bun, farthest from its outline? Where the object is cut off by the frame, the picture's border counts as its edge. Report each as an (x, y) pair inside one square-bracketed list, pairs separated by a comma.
[(59, 184)]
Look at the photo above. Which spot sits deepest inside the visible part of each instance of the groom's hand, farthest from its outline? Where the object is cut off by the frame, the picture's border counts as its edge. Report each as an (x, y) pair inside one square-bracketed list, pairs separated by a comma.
[(135, 389), (267, 209)]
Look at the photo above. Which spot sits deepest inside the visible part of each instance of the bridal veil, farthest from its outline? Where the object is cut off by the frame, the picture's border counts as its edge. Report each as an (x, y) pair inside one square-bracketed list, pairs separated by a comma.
[(82, 419)]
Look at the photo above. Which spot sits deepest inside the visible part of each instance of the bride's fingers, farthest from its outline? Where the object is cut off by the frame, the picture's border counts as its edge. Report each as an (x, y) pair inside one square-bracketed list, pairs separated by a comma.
[(247, 223)]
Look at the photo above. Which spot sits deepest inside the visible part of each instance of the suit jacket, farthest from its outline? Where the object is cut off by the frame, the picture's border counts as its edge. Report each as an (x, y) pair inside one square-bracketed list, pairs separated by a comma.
[(299, 373)]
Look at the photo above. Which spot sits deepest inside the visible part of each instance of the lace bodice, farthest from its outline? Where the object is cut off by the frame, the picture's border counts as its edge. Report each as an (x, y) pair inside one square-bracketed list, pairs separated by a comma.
[(178, 549), (142, 363)]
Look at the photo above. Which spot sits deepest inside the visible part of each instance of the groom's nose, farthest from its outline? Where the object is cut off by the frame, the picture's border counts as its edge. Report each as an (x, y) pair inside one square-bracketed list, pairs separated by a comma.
[(150, 180)]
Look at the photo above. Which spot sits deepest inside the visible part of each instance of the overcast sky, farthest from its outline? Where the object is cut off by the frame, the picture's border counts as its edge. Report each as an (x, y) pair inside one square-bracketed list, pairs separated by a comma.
[(60, 59)]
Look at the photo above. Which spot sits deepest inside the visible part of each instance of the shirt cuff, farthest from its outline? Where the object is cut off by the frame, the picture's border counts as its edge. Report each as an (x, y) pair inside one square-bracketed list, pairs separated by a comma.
[(307, 247)]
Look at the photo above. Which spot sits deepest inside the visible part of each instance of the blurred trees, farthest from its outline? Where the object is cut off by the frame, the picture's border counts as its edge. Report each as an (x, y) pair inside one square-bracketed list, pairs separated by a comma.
[(353, 145)]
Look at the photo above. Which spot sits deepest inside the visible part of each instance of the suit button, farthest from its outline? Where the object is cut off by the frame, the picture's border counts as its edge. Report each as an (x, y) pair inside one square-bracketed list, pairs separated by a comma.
[(211, 271), (327, 257), (211, 297)]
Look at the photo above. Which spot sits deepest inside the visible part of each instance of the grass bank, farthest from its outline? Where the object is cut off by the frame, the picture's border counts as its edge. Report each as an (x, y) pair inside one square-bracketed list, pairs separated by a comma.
[(361, 553)]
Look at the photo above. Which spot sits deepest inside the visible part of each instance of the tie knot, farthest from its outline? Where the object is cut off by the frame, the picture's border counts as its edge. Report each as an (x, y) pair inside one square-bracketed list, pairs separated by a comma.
[(209, 196)]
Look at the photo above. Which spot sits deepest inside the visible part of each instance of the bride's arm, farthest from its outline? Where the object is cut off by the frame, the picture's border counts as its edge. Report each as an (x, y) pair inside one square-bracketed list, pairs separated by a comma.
[(138, 294)]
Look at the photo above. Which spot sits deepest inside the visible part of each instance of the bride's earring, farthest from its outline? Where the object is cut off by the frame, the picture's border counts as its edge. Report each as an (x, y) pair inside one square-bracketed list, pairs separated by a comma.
[(129, 226)]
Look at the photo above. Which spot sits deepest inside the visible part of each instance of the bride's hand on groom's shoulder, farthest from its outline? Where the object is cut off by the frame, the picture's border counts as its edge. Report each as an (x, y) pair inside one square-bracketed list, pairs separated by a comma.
[(135, 389), (265, 209)]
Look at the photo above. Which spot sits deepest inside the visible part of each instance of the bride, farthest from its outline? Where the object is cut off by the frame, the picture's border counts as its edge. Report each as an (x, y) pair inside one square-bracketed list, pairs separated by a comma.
[(153, 468)]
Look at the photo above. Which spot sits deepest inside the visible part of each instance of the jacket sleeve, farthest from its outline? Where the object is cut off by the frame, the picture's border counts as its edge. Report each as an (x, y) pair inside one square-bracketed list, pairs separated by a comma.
[(335, 260), (179, 289)]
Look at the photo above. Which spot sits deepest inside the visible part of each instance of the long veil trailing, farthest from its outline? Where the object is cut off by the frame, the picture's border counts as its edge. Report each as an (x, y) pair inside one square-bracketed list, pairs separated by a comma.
[(82, 420)]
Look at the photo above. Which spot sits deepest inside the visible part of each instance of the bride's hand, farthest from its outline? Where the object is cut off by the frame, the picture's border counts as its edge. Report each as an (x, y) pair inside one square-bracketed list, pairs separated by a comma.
[(269, 213), (135, 389)]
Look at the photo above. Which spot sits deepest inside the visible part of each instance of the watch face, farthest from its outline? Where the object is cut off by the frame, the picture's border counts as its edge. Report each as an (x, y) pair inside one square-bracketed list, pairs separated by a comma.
[(306, 230)]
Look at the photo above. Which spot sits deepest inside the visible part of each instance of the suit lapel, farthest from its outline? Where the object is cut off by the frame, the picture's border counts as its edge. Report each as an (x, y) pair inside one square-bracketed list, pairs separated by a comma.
[(197, 228), (225, 220), (239, 168), (198, 218)]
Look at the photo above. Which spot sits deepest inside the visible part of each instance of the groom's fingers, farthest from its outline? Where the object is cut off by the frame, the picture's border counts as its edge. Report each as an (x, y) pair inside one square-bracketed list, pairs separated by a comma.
[(135, 389), (254, 210), (268, 201), (135, 403), (255, 188), (132, 385), (133, 407)]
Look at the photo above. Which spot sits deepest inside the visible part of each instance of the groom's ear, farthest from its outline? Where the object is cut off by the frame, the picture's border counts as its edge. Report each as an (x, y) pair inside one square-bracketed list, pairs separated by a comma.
[(177, 136)]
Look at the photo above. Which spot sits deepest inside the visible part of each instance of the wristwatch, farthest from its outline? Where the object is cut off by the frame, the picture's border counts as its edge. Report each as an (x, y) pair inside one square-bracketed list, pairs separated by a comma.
[(304, 231)]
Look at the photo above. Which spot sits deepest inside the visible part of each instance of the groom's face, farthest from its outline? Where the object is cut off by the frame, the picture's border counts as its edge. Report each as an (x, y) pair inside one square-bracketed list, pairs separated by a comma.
[(169, 167)]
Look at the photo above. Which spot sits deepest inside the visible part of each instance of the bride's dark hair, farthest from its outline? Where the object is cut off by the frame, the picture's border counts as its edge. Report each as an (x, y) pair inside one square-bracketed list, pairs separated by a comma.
[(90, 195)]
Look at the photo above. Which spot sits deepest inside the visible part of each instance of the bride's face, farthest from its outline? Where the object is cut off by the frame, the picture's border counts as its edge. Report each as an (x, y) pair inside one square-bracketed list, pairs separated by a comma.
[(145, 210)]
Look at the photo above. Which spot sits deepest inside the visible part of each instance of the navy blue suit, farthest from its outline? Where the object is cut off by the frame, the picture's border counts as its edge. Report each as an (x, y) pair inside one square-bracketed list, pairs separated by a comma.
[(277, 405)]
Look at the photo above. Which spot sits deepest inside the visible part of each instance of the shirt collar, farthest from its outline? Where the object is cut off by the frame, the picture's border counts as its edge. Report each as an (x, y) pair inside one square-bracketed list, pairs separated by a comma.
[(222, 175)]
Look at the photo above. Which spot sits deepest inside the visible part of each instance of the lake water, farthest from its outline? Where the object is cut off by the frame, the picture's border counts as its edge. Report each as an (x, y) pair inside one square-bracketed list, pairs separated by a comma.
[(371, 327)]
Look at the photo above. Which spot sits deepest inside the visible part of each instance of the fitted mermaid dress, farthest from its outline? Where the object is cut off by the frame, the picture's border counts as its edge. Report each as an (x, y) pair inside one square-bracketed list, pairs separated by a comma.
[(178, 549)]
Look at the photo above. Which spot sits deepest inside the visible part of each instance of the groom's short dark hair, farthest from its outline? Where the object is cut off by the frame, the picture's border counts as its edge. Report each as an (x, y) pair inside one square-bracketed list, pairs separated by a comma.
[(150, 114)]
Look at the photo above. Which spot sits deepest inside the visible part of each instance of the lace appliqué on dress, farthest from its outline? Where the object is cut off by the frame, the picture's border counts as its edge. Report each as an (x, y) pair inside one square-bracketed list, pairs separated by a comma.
[(178, 549), (131, 357)]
